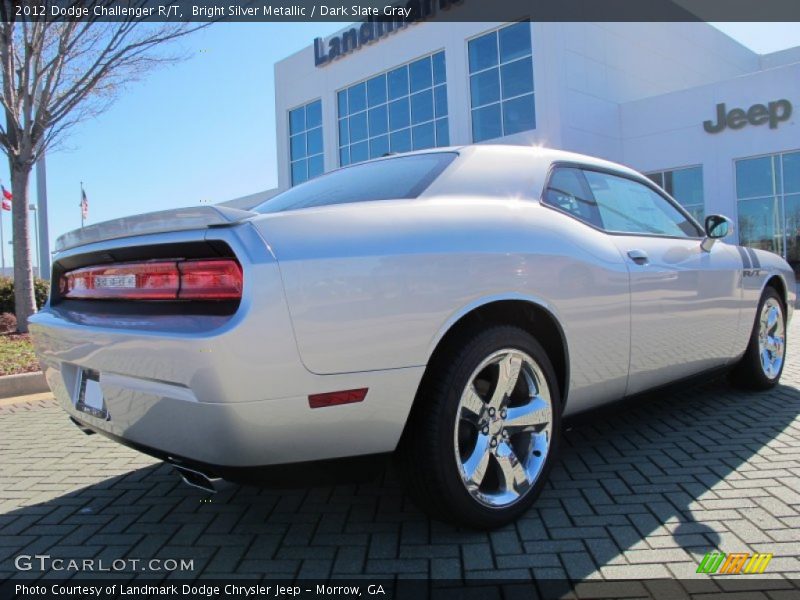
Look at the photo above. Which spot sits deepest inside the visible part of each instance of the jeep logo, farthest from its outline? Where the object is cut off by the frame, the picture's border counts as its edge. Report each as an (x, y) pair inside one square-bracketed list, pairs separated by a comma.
[(758, 114)]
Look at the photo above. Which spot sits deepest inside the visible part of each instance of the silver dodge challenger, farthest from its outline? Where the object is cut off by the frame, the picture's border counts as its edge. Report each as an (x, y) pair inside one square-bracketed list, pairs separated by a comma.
[(446, 306)]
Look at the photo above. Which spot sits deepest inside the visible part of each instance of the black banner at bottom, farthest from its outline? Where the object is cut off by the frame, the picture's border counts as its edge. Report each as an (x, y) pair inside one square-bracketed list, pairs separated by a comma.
[(109, 587)]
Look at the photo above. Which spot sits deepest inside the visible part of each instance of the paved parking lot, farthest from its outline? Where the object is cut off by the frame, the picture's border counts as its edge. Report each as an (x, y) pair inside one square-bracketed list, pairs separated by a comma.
[(643, 490)]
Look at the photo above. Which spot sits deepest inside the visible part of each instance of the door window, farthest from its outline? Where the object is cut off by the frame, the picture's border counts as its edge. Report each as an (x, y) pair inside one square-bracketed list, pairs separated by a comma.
[(627, 206)]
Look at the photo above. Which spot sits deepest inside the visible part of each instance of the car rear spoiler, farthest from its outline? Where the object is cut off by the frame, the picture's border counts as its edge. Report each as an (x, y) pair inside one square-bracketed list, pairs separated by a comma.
[(177, 219)]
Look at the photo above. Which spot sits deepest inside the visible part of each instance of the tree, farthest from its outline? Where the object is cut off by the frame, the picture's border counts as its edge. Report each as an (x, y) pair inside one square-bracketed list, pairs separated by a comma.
[(55, 75)]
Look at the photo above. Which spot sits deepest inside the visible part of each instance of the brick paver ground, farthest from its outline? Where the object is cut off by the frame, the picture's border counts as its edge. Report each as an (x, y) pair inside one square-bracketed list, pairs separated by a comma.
[(642, 490)]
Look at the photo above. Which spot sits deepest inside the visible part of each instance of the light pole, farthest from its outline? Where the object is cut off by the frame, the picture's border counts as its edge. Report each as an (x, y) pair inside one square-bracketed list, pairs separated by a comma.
[(43, 242), (32, 208)]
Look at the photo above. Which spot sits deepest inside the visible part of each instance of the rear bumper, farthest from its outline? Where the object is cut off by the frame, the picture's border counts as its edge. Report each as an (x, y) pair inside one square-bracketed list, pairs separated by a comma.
[(231, 392), (238, 435)]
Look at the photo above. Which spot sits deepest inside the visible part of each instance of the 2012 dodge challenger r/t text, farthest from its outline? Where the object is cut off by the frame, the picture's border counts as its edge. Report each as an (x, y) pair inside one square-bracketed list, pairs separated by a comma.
[(450, 306)]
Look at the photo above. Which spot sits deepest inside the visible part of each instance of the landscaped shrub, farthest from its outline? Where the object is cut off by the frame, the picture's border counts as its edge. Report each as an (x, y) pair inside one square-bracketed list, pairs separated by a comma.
[(8, 322), (41, 288)]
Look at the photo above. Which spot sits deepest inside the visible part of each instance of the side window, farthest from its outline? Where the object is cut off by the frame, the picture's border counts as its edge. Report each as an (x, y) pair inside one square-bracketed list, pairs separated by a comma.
[(627, 206), (569, 191)]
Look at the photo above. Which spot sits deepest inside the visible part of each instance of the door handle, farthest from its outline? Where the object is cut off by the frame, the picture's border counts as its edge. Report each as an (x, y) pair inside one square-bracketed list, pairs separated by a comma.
[(638, 256)]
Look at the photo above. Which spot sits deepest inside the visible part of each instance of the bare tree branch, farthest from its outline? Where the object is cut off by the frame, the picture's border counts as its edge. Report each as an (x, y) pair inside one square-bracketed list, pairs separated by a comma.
[(56, 74)]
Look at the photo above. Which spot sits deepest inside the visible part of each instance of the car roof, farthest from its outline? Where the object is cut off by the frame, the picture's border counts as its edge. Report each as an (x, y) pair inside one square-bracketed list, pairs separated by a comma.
[(507, 170)]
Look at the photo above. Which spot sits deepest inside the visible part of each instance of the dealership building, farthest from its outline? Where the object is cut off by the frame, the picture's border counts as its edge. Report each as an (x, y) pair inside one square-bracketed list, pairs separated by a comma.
[(711, 121)]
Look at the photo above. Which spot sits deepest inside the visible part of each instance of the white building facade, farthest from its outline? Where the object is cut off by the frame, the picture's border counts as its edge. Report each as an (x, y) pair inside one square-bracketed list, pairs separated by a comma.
[(706, 118)]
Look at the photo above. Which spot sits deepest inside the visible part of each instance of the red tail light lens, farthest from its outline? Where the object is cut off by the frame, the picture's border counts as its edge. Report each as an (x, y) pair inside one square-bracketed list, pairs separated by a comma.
[(210, 280), (216, 279)]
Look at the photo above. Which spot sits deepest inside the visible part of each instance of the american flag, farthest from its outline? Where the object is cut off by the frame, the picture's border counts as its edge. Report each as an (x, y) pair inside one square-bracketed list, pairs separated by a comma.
[(84, 205), (6, 198)]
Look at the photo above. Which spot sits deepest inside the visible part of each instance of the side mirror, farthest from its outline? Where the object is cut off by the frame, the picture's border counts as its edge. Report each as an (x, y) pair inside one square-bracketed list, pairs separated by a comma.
[(717, 227)]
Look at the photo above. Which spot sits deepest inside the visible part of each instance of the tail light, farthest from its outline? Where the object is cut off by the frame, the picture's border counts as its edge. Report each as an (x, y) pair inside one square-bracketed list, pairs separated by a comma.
[(213, 279)]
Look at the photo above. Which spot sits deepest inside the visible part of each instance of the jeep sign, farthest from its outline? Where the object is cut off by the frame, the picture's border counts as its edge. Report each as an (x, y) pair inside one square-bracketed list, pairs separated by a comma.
[(758, 114)]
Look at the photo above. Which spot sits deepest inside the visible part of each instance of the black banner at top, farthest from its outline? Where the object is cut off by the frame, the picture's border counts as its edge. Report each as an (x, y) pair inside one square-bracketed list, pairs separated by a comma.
[(407, 11)]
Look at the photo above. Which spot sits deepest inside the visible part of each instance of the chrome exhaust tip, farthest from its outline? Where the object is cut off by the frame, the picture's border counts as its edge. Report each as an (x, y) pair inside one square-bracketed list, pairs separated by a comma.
[(196, 479)]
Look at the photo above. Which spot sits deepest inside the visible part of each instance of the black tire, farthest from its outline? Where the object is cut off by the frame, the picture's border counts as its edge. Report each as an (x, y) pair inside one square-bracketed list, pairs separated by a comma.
[(426, 454), (748, 374)]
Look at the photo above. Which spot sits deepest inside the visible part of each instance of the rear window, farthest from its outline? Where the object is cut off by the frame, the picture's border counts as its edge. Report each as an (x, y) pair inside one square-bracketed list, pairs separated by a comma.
[(403, 177)]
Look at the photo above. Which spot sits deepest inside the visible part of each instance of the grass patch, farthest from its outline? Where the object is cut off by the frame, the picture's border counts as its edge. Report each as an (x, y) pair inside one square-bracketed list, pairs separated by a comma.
[(16, 354)]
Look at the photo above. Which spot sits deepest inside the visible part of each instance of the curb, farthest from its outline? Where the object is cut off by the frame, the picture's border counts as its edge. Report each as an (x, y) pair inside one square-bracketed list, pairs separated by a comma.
[(23, 384)]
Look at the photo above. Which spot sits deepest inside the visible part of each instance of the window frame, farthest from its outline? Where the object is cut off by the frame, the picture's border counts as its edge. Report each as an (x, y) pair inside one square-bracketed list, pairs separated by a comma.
[(501, 101), (616, 173), (289, 136), (388, 102), (782, 195), (663, 172)]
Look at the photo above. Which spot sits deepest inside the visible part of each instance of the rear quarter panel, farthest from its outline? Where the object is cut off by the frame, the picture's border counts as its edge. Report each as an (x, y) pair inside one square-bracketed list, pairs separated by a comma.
[(375, 285)]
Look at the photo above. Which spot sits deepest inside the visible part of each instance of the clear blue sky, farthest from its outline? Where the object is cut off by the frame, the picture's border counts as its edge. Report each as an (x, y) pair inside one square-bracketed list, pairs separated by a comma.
[(204, 129)]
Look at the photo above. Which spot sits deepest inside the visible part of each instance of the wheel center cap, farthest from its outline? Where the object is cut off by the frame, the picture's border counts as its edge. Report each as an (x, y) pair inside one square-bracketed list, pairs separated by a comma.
[(496, 424)]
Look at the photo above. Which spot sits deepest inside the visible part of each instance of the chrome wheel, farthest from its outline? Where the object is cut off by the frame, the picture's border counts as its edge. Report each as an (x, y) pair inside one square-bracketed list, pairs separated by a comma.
[(503, 428), (771, 338)]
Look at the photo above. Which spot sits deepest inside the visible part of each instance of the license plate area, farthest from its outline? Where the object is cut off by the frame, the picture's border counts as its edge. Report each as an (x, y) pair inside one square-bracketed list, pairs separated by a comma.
[(90, 396)]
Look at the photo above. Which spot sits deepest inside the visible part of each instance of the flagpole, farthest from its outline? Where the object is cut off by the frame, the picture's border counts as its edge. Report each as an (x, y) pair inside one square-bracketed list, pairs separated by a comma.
[(81, 205), (2, 245)]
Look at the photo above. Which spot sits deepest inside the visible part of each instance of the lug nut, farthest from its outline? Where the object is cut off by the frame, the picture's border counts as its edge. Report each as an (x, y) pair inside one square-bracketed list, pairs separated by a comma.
[(503, 413), (491, 412), (485, 430), (493, 442)]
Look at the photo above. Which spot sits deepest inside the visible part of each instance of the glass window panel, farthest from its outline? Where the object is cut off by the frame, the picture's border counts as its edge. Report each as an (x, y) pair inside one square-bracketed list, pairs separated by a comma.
[(341, 101), (378, 121), (314, 141), (398, 82), (483, 52), (755, 177), (760, 224), (791, 205), (299, 172), (657, 178), (485, 87), (423, 136), (314, 115), (420, 74), (519, 114), (486, 123), (344, 133), (517, 78), (376, 90), (440, 100), (358, 127), (298, 146), (297, 120), (422, 107), (791, 173), (439, 74), (515, 41), (686, 185), (698, 212), (442, 133), (357, 98), (378, 146), (315, 166), (393, 178), (399, 114), (359, 152), (400, 141), (344, 156), (568, 191), (630, 207)]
